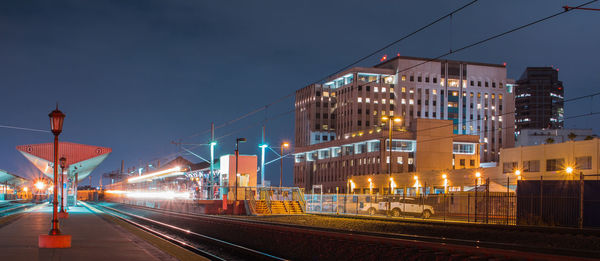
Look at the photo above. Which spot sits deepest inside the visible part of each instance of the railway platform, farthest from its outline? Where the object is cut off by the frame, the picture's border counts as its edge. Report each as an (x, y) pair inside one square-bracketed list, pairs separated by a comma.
[(94, 237)]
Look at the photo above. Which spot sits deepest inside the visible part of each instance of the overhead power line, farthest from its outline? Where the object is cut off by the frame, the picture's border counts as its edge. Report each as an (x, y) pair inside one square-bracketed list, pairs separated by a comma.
[(22, 128), (342, 69)]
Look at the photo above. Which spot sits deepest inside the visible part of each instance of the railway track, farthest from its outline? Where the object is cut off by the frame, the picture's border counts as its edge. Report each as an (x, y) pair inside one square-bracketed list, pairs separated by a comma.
[(204, 245), (10, 208), (302, 242)]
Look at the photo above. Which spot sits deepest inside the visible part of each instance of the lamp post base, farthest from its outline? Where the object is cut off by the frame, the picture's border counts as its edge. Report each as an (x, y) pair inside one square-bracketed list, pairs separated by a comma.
[(63, 215), (54, 241)]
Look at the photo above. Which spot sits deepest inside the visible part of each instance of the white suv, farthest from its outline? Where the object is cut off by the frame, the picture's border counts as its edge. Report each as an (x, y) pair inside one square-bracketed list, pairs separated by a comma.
[(399, 206)]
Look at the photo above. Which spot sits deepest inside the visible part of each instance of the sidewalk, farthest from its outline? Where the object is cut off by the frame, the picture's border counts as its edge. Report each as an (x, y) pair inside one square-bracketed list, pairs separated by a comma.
[(93, 238)]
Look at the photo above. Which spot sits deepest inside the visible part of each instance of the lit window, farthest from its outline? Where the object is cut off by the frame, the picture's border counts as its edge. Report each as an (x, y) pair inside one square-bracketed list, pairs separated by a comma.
[(479, 106), (391, 113), (411, 101), (434, 91), (376, 89), (325, 94), (499, 118), (382, 112), (485, 140), (411, 91), (391, 89), (500, 96), (382, 89), (391, 101), (486, 96), (382, 101), (367, 100), (374, 112), (454, 93), (399, 160), (376, 101), (360, 99), (403, 101), (403, 77)]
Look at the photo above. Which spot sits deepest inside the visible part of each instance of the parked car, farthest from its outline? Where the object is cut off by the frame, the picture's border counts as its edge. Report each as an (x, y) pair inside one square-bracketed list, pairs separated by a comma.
[(399, 206)]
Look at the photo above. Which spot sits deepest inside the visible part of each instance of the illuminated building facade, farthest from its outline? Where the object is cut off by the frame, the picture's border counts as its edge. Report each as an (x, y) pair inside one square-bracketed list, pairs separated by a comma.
[(476, 97), (551, 161), (539, 99), (429, 145)]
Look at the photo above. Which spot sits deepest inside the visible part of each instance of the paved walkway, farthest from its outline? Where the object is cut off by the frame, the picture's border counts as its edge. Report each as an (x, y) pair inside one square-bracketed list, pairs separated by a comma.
[(93, 238)]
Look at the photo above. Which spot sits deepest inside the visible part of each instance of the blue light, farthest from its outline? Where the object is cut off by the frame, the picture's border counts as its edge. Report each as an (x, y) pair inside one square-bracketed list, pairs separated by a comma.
[(263, 146)]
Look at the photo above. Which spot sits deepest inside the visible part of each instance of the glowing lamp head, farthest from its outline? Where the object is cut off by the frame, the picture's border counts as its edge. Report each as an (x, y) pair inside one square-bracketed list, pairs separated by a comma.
[(415, 177), (56, 121), (39, 185), (285, 144), (25, 189), (569, 170), (397, 119), (263, 146), (370, 180), (384, 118), (63, 162), (517, 172), (444, 176), (478, 174), (213, 143)]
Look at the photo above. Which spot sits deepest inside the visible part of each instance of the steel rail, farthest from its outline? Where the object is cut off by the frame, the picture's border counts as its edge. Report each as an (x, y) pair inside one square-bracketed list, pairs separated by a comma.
[(228, 245), (449, 244)]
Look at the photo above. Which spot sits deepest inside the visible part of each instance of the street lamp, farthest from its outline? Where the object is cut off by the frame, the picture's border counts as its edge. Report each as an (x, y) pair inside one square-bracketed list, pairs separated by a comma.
[(478, 177), (391, 121), (283, 145), (416, 178), (237, 154), (63, 162), (370, 186), (445, 177), (518, 174), (54, 239)]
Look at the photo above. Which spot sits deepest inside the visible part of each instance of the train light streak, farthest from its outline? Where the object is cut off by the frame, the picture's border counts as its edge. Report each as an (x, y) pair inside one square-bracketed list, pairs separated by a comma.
[(174, 170)]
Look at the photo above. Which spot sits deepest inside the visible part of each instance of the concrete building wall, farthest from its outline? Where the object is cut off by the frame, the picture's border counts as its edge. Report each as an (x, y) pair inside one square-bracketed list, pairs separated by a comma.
[(551, 160)]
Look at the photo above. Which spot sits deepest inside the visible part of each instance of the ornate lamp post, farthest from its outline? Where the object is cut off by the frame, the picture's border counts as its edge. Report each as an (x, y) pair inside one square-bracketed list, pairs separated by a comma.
[(62, 213), (55, 239)]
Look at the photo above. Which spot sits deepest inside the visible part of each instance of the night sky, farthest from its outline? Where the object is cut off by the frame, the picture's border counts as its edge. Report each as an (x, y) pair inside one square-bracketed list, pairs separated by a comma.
[(136, 75)]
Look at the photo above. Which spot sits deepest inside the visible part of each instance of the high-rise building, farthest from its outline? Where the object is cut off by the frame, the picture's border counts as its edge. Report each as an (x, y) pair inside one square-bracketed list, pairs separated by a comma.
[(539, 102), (477, 97), (473, 99)]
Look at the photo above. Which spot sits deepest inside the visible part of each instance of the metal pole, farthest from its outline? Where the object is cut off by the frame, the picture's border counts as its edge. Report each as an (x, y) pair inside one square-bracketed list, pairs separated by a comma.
[(476, 187), (212, 153), (236, 170), (55, 229), (262, 159), (390, 156), (581, 178), (62, 190), (541, 197), (281, 167)]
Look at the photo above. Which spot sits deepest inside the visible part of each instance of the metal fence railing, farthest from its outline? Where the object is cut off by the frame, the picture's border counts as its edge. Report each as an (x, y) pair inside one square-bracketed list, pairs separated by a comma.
[(491, 208)]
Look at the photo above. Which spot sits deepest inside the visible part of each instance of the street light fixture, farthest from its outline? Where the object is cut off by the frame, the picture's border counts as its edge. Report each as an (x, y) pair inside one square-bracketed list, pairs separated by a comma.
[(63, 162), (283, 145), (569, 170), (237, 154), (445, 177), (55, 239), (391, 121)]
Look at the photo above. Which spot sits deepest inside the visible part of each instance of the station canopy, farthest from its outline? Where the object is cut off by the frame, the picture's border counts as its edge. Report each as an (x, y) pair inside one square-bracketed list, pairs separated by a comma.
[(12, 179), (81, 159)]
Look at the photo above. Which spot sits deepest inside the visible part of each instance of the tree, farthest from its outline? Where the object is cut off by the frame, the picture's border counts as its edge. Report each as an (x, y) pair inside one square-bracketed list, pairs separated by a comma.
[(589, 137), (572, 136), (549, 140)]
